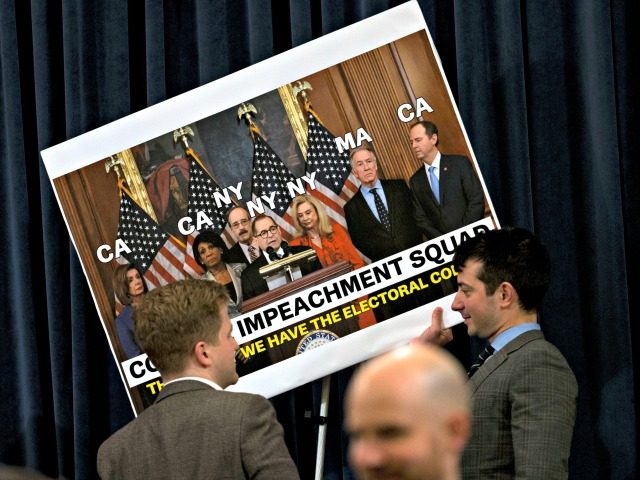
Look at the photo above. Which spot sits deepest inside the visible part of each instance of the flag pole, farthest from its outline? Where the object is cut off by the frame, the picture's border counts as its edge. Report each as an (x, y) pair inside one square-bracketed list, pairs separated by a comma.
[(322, 429), (300, 88)]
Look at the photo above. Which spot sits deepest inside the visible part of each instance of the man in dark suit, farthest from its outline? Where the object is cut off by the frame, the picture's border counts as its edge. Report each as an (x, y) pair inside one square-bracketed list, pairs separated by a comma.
[(195, 429), (272, 247), (446, 191), (368, 232), (408, 414), (244, 250), (523, 391)]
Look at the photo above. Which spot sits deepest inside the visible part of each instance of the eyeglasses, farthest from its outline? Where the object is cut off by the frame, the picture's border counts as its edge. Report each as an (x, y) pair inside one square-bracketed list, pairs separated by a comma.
[(242, 222), (264, 233)]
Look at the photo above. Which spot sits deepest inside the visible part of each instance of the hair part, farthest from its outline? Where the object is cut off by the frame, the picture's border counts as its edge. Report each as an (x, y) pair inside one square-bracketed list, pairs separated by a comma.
[(324, 224), (170, 320), (429, 127), (236, 207), (363, 147), (512, 255), (120, 282)]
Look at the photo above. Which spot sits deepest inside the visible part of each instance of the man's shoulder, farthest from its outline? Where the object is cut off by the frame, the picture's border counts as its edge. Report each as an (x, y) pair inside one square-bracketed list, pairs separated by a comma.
[(175, 396), (255, 265), (417, 175), (454, 161), (393, 184), (356, 197), (532, 353)]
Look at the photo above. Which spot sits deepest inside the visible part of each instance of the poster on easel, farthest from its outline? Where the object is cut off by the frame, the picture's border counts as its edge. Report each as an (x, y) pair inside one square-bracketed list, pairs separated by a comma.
[(324, 141)]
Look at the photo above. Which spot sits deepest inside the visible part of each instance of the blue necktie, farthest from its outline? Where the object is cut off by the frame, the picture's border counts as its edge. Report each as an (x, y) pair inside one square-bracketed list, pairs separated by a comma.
[(435, 185)]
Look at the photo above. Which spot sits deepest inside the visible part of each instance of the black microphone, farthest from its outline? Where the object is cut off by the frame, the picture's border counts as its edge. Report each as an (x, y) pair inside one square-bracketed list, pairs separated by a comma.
[(285, 249), (272, 253)]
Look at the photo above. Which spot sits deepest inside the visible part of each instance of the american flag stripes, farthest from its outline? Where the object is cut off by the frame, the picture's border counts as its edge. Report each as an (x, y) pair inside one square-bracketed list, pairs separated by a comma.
[(158, 255), (335, 184), (201, 199), (270, 177)]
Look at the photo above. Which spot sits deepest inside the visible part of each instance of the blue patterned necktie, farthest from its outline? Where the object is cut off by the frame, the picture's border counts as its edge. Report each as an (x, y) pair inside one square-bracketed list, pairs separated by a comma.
[(486, 353), (435, 184), (382, 211)]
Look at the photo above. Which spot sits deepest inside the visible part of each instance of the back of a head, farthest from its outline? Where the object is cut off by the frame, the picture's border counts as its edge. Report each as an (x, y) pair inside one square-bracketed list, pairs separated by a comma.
[(171, 319), (511, 255)]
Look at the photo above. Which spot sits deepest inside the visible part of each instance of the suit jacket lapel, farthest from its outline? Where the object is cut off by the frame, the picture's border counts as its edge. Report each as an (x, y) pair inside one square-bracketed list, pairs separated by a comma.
[(445, 178), (501, 356), (364, 207)]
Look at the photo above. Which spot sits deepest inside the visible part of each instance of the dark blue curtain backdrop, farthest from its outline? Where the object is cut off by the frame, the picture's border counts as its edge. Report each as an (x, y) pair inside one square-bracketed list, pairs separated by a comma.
[(548, 91)]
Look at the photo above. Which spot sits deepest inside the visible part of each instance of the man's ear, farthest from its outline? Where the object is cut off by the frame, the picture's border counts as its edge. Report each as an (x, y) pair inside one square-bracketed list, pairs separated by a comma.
[(202, 353), (459, 430), (507, 294)]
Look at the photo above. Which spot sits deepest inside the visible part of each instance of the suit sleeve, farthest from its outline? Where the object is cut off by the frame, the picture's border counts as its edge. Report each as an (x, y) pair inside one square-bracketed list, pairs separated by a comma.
[(543, 406), (264, 453), (423, 222), (358, 235), (248, 290), (473, 193)]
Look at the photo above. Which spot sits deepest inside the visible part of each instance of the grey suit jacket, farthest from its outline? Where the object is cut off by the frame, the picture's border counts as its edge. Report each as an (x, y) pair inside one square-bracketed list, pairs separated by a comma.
[(196, 432), (524, 405), (461, 197)]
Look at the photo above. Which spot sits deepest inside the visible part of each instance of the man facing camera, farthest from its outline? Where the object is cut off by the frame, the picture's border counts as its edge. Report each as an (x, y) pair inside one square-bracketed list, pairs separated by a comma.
[(408, 416), (244, 250), (379, 215), (195, 429), (269, 238), (523, 391), (446, 191)]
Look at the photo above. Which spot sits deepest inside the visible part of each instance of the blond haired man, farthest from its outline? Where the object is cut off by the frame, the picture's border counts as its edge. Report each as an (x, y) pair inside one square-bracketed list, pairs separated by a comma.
[(195, 429)]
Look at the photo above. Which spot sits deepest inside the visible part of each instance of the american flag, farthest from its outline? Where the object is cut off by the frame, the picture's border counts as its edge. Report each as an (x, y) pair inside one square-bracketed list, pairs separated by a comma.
[(158, 255), (270, 176), (202, 199), (335, 184)]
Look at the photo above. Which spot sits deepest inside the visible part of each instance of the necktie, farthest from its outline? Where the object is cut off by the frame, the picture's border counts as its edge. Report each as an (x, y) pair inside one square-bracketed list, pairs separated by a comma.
[(253, 253), (382, 211), (435, 184), (486, 353)]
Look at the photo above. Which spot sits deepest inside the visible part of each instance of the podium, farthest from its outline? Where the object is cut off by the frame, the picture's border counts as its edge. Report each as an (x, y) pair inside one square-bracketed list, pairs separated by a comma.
[(275, 353)]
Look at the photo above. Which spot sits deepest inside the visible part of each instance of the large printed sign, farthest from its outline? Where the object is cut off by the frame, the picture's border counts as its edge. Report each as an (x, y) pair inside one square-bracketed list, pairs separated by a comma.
[(142, 189)]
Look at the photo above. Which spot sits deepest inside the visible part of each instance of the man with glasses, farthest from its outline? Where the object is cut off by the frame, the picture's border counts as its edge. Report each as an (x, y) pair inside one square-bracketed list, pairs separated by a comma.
[(269, 238), (245, 250)]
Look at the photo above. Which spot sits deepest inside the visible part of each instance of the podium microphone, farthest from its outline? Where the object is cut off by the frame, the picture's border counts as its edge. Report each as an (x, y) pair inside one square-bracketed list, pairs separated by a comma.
[(272, 254)]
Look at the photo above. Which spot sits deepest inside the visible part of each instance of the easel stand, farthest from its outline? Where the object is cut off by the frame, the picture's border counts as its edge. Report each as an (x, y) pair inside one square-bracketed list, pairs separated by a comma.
[(322, 426)]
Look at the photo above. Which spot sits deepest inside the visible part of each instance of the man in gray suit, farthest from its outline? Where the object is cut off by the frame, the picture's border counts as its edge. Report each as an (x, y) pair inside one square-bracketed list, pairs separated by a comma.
[(195, 429), (408, 415), (524, 393)]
